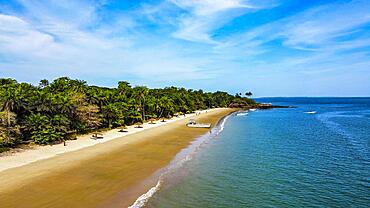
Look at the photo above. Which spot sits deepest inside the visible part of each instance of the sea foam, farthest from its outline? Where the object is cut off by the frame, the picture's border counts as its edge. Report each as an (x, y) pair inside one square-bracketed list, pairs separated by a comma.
[(141, 201), (180, 159)]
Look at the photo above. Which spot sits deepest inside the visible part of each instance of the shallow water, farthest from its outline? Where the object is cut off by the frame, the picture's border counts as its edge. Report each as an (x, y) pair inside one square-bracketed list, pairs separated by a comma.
[(110, 174), (280, 158)]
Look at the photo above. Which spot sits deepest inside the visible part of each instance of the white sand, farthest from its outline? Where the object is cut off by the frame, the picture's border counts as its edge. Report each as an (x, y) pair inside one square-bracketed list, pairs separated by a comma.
[(44, 152)]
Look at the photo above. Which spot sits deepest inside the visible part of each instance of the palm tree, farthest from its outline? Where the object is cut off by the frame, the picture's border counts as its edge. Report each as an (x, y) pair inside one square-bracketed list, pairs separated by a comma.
[(42, 102), (124, 89), (11, 100), (166, 106), (131, 113), (248, 94), (67, 106), (140, 93), (43, 83), (9, 130), (78, 86), (110, 113), (63, 104)]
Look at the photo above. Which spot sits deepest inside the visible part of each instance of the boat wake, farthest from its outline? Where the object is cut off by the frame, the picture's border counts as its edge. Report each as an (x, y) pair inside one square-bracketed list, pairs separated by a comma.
[(180, 159)]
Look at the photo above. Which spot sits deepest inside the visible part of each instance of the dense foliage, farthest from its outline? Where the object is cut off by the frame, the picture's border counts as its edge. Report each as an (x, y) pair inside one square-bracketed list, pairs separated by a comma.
[(53, 112)]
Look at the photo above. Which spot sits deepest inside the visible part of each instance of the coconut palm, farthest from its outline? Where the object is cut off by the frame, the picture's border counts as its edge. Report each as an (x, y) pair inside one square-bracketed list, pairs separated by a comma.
[(110, 112), (12, 100), (166, 106), (140, 93), (53, 111), (44, 83), (248, 94), (124, 89)]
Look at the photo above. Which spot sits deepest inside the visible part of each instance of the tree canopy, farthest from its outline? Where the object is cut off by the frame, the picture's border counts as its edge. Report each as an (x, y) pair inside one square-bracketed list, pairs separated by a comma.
[(55, 111)]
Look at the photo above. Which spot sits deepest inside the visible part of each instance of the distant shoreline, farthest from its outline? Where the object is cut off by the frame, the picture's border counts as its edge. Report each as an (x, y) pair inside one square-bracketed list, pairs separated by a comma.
[(98, 173)]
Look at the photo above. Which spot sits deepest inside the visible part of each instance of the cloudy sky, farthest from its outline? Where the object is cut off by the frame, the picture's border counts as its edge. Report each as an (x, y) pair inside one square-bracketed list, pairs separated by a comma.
[(271, 47)]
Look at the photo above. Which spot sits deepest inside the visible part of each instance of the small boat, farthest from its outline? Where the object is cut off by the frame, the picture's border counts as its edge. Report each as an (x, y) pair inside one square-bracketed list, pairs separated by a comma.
[(310, 112), (193, 124), (242, 114), (252, 109)]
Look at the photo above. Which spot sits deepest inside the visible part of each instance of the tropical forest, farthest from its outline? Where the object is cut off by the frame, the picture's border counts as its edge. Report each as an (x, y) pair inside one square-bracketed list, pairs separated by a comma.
[(56, 111)]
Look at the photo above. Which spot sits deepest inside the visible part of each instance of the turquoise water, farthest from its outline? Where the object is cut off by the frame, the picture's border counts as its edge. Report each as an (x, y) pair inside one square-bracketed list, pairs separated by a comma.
[(279, 158)]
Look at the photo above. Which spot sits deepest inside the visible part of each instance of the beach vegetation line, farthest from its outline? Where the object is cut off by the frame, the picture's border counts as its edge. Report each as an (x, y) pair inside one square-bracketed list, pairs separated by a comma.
[(56, 111)]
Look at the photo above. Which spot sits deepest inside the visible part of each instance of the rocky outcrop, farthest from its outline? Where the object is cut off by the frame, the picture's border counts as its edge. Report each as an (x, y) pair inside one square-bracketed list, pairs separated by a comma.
[(258, 105), (238, 105), (269, 106)]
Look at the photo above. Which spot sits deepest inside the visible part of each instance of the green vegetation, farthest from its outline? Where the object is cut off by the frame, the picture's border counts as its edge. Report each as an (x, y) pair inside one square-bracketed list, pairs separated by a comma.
[(56, 111)]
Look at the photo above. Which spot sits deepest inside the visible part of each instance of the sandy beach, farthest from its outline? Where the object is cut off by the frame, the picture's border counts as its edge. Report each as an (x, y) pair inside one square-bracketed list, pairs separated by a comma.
[(91, 173), (25, 156)]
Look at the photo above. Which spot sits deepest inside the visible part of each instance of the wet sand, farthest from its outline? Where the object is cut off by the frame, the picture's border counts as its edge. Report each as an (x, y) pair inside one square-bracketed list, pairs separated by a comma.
[(93, 176), (19, 157)]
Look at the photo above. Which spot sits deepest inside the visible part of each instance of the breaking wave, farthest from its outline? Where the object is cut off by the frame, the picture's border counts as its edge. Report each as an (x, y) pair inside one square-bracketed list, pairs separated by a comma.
[(182, 157)]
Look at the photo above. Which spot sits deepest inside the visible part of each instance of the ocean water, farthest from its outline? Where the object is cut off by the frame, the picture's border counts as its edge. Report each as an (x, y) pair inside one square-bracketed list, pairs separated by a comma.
[(276, 158)]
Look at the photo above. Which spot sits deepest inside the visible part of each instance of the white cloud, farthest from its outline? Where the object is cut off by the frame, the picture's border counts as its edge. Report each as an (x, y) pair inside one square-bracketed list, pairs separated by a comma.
[(65, 37), (320, 42), (16, 35), (322, 24), (322, 29), (59, 42), (71, 12), (204, 16), (210, 7)]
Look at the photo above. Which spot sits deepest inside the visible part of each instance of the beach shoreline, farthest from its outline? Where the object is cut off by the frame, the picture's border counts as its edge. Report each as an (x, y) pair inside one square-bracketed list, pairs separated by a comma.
[(24, 156), (100, 170), (155, 181)]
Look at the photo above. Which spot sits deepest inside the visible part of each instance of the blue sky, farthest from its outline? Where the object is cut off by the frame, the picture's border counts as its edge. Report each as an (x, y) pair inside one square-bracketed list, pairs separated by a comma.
[(271, 47)]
